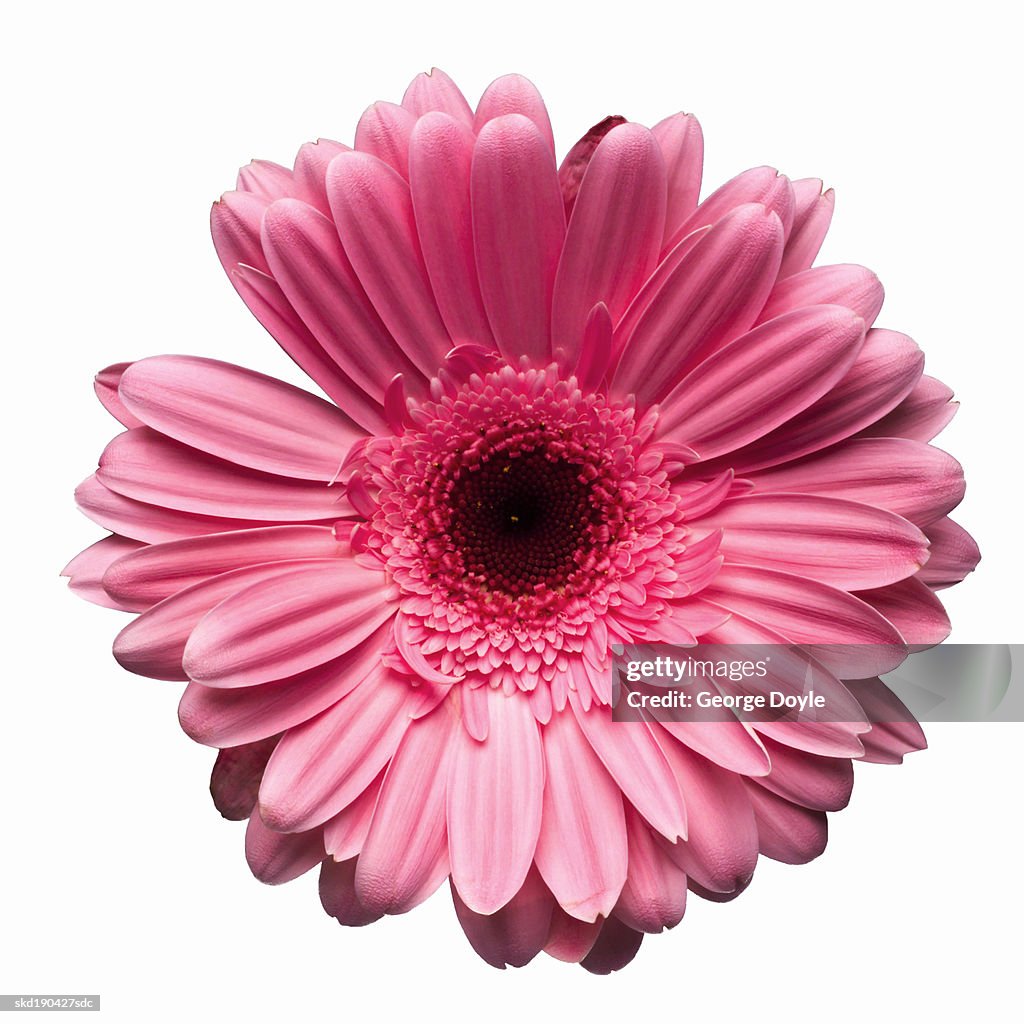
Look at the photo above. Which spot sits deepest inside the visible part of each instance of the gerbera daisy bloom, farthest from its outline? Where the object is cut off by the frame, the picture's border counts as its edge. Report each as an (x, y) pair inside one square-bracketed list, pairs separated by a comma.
[(567, 407)]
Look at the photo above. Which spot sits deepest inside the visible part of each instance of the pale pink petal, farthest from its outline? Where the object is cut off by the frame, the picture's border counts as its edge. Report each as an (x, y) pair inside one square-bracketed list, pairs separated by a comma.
[(913, 609), (812, 214), (613, 238), (514, 94), (954, 554), (345, 834), (239, 415), (278, 857), (819, 783), (86, 570), (440, 162), (682, 148), (434, 90), (614, 949), (265, 179), (236, 775), (147, 466), (517, 932), (321, 766), (712, 297), (405, 857), (761, 379), (310, 172), (581, 851), (338, 894), (923, 414), (495, 792), (518, 231), (845, 284), (383, 131), (786, 831), (654, 896), (894, 730), (729, 743), (373, 211), (287, 623), (105, 385)]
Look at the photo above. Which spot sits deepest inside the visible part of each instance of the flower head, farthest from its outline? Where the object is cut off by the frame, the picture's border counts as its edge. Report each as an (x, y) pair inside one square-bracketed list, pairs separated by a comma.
[(569, 407)]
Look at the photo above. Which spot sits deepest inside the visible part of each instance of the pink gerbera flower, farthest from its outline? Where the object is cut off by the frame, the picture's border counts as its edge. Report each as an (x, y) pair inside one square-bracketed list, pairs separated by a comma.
[(569, 407)]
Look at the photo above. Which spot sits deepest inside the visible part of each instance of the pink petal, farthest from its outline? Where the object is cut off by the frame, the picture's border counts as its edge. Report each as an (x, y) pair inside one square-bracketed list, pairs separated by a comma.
[(105, 386), (712, 297), (239, 415), (440, 161), (633, 758), (812, 214), (682, 148), (235, 780), (954, 554), (845, 284), (405, 857), (85, 571), (761, 379), (321, 766), (345, 834), (614, 949), (913, 609), (847, 544), (514, 94), (729, 744), (571, 939), (315, 275), (613, 238), (338, 894), (278, 857), (574, 166), (581, 851), (373, 212), (235, 226), (494, 810), (654, 896), (222, 717), (786, 831), (310, 172), (434, 90), (819, 783), (265, 179), (285, 624), (383, 131), (894, 731), (923, 414), (596, 350), (518, 229), (517, 932)]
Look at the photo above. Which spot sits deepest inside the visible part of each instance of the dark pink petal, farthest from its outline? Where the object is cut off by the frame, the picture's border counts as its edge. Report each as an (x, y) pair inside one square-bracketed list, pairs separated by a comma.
[(514, 94), (654, 896), (338, 894), (712, 297), (493, 812), (577, 160), (914, 480), (761, 379), (819, 783), (517, 932), (405, 857), (105, 385), (786, 831), (633, 758), (263, 295), (321, 766), (85, 571), (845, 284), (154, 643), (883, 374), (720, 850), (596, 351), (923, 414), (440, 162), (222, 717), (434, 90), (763, 185), (812, 214), (682, 148), (288, 623), (383, 131), (613, 238), (373, 211), (581, 852), (147, 466), (518, 230), (236, 775), (345, 834), (614, 949), (159, 570), (310, 172), (265, 179), (239, 415), (847, 544), (954, 554), (913, 609), (315, 275), (894, 730), (278, 857), (571, 939)]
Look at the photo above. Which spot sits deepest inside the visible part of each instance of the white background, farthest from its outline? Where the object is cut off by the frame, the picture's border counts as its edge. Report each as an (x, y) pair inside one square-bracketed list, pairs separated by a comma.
[(123, 123)]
